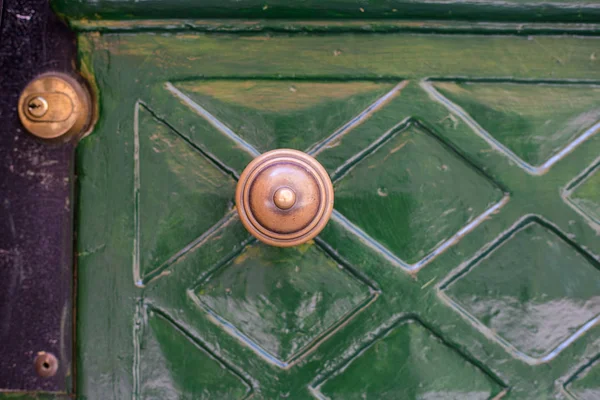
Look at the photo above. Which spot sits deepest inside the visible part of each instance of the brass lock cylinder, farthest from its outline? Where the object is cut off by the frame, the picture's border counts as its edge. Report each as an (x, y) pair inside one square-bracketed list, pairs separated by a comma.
[(55, 105)]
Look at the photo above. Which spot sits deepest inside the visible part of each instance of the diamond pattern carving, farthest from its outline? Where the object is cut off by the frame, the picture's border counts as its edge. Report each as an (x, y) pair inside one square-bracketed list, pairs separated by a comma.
[(282, 300), (415, 196), (431, 174), (397, 178), (534, 124), (191, 370), (408, 361), (180, 193), (521, 291), (283, 114), (584, 194), (585, 385)]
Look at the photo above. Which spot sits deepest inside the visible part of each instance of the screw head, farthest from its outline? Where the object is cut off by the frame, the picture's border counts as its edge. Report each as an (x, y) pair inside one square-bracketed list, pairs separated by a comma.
[(45, 364), (37, 107)]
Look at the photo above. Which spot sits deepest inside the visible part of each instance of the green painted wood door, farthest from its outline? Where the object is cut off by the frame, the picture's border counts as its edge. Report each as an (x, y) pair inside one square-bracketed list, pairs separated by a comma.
[(462, 258)]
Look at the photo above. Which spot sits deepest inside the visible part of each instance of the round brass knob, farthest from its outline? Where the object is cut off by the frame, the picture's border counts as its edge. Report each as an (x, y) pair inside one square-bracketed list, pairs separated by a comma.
[(284, 197)]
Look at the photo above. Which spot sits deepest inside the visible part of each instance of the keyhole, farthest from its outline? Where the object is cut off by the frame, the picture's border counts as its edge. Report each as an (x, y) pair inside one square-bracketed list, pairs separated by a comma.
[(37, 107)]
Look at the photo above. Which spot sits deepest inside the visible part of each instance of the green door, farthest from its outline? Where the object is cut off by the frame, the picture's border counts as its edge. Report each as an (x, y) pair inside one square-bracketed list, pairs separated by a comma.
[(461, 260)]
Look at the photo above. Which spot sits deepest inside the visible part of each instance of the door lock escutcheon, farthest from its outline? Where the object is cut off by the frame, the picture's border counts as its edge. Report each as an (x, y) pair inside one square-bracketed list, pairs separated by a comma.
[(55, 105)]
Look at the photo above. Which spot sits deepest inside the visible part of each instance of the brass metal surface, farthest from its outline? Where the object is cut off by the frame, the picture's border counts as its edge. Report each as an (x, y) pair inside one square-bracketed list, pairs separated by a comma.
[(45, 364), (37, 107), (55, 105), (284, 197)]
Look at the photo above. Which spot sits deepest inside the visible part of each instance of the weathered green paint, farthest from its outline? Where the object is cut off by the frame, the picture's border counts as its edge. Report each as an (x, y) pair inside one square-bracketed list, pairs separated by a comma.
[(389, 194), (532, 288), (282, 301), (331, 26), (585, 193), (269, 114), (344, 56), (173, 178), (163, 375), (507, 10), (409, 362), (533, 121), (586, 384), (461, 260)]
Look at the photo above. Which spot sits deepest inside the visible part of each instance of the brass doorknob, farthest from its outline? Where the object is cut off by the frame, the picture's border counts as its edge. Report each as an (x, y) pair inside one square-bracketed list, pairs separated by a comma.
[(284, 197)]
